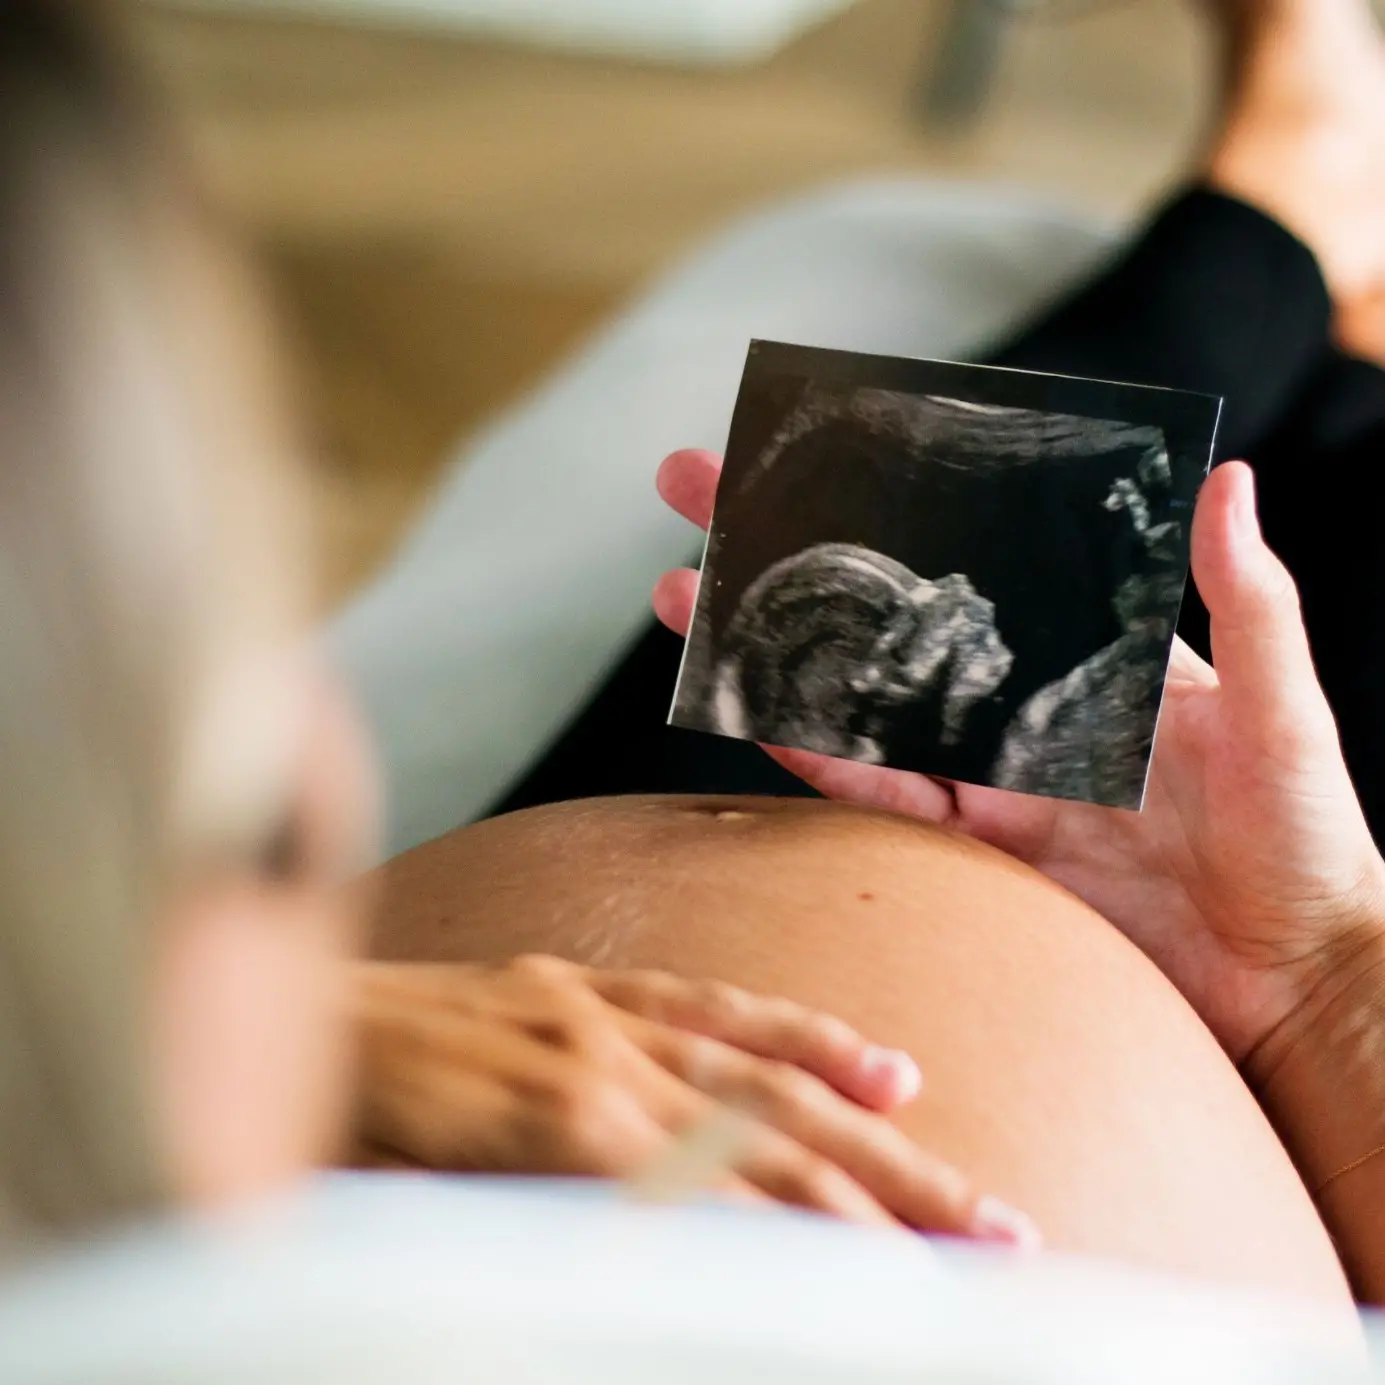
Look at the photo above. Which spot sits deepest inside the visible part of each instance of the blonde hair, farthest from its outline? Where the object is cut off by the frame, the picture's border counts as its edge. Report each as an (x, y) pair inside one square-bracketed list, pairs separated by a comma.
[(148, 561)]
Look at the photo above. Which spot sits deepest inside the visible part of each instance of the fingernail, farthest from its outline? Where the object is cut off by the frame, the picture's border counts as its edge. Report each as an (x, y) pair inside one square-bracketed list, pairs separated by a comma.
[(892, 1070), (999, 1223)]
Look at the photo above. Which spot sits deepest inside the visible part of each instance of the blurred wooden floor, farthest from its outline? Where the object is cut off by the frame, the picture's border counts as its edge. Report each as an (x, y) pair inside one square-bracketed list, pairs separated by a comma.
[(445, 219)]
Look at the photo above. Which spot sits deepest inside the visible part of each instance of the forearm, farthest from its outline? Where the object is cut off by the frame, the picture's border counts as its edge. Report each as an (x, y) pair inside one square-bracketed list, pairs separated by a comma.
[(1321, 1080)]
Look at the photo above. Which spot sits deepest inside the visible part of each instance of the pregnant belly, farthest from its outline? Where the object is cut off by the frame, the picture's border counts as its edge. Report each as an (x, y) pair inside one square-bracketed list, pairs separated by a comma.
[(1062, 1069)]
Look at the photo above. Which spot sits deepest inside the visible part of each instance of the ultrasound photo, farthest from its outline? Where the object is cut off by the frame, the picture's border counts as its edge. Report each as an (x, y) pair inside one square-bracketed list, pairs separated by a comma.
[(967, 571)]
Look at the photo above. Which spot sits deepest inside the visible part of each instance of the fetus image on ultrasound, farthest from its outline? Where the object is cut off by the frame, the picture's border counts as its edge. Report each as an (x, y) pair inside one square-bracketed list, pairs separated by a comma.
[(830, 645), (912, 565)]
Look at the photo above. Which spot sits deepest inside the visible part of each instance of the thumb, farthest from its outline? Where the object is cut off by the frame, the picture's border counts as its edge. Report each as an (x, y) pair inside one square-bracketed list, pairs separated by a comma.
[(1260, 648)]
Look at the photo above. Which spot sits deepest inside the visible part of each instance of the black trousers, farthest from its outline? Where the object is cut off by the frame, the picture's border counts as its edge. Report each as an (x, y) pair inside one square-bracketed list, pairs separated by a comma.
[(1215, 297)]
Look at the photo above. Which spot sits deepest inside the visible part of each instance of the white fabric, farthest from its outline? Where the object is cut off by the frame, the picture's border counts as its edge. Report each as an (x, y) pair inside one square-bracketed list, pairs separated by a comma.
[(533, 567), (424, 1281), (690, 31)]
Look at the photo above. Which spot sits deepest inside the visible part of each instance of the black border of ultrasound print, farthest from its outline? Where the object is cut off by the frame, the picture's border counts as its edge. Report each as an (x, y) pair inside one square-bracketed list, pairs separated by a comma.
[(1190, 421)]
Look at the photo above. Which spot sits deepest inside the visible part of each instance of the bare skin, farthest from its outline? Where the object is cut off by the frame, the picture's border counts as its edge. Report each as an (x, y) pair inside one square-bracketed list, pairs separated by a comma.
[(1303, 138), (1061, 1070), (536, 1065)]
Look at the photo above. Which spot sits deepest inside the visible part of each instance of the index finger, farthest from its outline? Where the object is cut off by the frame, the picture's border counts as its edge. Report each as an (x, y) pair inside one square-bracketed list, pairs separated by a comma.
[(870, 786), (687, 482), (806, 1144), (819, 1044)]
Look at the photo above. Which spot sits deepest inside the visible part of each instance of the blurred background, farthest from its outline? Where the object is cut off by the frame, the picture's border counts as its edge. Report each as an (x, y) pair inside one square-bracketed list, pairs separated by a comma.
[(450, 194)]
